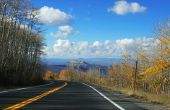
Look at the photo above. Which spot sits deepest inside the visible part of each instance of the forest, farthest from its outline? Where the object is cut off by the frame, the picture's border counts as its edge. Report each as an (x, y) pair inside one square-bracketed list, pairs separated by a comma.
[(143, 73), (20, 43)]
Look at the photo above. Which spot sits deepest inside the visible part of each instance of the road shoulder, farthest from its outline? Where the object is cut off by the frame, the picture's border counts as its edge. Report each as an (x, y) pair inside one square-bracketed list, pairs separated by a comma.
[(139, 102)]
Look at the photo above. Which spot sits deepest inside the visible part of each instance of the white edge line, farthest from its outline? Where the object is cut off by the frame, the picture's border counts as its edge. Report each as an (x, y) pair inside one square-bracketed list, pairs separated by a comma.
[(115, 104), (18, 89)]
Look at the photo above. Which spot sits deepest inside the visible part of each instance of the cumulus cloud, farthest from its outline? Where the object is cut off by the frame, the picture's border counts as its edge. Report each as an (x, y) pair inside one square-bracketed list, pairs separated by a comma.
[(49, 15), (58, 18), (64, 31), (123, 7), (67, 48), (131, 45), (108, 48)]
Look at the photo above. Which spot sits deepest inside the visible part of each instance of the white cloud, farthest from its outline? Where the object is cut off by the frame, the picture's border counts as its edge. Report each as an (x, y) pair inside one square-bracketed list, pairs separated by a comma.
[(124, 42), (123, 7), (108, 48), (138, 43), (67, 48), (63, 43), (62, 47), (63, 32), (60, 19), (97, 44), (54, 16), (83, 45), (66, 30)]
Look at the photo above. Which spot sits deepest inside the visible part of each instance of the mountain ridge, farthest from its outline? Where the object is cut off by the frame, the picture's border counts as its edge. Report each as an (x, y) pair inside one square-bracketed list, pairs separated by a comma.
[(100, 61)]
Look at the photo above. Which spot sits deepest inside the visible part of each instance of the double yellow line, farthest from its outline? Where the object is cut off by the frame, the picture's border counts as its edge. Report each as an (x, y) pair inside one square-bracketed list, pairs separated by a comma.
[(26, 102)]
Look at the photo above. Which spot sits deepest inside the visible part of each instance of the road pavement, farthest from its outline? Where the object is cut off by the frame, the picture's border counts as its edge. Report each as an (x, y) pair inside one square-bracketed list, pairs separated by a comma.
[(61, 95)]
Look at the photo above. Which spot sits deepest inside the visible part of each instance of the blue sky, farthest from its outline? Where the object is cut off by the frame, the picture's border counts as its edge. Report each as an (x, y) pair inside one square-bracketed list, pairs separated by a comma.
[(98, 21)]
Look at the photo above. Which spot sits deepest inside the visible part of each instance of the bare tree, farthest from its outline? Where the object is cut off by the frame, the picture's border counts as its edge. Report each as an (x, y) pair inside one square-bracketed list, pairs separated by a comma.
[(20, 43)]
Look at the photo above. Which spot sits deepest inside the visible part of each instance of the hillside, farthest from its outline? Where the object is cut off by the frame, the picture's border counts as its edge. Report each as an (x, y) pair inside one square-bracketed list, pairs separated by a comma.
[(96, 61), (78, 65)]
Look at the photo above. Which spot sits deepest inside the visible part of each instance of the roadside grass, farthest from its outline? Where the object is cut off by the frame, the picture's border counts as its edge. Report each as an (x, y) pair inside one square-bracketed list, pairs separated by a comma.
[(149, 97), (162, 99)]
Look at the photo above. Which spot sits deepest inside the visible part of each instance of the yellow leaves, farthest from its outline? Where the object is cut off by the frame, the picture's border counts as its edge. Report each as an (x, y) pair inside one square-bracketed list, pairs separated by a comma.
[(162, 63), (142, 56), (127, 71), (164, 52), (155, 73), (155, 69), (114, 70), (149, 72), (165, 40), (66, 75), (49, 74)]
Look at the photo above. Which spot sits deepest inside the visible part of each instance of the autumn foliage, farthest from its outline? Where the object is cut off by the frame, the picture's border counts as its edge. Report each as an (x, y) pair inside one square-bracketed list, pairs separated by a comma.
[(50, 75), (66, 75), (140, 70)]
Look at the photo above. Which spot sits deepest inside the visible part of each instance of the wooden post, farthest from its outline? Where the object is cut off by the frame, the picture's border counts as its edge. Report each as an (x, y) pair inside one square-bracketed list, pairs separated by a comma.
[(135, 75)]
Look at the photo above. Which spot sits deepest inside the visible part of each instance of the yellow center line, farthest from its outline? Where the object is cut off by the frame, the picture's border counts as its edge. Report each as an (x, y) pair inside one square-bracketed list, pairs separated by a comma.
[(26, 102)]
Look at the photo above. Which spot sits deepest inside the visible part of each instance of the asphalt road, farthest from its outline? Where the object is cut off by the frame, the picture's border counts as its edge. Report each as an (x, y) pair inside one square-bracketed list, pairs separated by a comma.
[(64, 96)]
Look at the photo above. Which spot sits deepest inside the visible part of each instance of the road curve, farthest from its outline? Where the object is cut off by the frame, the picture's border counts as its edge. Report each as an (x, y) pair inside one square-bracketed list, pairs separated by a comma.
[(62, 96)]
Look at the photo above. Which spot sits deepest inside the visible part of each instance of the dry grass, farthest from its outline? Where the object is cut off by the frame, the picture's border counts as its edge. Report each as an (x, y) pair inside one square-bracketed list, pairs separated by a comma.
[(162, 99), (154, 98)]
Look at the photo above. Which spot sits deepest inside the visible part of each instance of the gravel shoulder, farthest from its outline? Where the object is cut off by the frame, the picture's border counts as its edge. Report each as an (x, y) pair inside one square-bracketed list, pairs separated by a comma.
[(139, 102)]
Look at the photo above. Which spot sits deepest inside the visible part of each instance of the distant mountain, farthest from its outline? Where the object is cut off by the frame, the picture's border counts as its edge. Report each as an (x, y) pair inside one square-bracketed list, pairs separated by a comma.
[(97, 61), (53, 68), (103, 61), (54, 61), (80, 64), (83, 66)]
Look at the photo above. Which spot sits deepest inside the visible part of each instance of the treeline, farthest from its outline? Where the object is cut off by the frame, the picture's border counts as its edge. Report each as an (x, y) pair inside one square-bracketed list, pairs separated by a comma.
[(20, 43), (49, 75), (142, 72), (146, 69)]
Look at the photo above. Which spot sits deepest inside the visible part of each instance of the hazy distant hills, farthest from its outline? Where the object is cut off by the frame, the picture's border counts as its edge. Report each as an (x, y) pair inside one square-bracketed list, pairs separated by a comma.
[(78, 65), (81, 64), (53, 68), (96, 61)]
